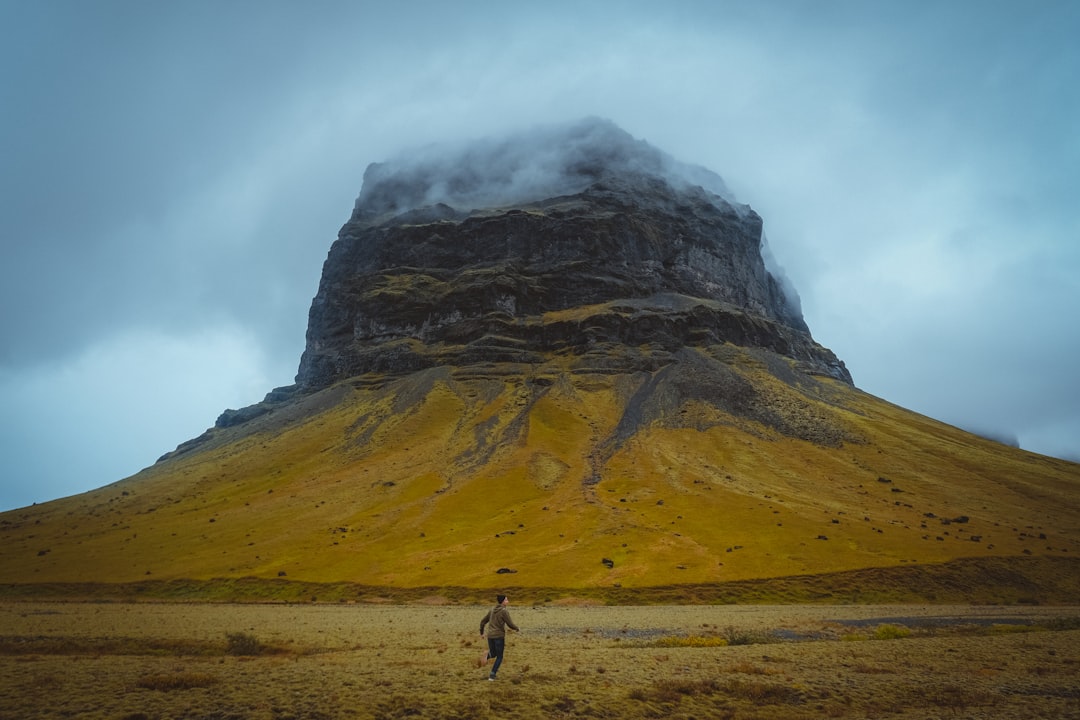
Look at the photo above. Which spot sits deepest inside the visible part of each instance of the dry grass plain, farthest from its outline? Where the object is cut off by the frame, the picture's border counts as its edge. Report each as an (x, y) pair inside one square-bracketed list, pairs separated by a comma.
[(326, 661)]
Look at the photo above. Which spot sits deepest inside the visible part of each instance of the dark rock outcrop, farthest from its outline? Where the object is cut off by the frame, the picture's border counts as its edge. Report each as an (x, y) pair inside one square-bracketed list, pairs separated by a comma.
[(588, 238)]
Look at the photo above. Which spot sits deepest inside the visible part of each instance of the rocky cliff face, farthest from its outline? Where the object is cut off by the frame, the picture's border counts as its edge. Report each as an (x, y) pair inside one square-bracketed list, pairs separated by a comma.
[(568, 241)]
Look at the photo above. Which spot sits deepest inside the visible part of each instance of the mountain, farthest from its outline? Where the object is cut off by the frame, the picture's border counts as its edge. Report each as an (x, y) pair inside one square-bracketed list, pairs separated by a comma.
[(559, 362)]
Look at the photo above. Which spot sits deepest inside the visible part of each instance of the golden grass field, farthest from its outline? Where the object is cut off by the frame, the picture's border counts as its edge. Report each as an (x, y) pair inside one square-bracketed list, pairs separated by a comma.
[(128, 661)]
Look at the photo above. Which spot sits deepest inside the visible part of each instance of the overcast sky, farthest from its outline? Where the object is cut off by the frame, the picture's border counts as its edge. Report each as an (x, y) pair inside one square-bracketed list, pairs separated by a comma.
[(172, 175)]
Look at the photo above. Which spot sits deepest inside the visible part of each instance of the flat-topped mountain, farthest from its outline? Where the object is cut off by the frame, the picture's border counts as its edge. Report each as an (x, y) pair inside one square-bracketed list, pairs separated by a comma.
[(559, 362), (602, 240)]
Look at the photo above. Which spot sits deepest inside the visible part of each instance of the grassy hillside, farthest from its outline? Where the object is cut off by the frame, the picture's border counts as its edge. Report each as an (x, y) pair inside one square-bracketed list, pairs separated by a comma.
[(572, 479)]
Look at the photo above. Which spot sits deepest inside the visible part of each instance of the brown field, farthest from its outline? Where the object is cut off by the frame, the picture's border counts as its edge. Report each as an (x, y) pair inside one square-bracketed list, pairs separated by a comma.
[(327, 661)]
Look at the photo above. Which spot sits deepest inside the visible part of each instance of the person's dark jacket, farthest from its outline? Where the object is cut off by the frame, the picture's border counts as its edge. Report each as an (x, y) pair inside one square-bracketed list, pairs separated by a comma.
[(497, 620)]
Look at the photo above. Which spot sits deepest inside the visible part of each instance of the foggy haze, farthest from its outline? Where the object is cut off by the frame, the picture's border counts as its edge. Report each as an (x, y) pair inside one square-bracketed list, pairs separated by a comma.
[(537, 163)]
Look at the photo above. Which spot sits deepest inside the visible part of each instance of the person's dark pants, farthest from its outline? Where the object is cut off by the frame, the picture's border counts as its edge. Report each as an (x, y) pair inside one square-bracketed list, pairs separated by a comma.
[(495, 652)]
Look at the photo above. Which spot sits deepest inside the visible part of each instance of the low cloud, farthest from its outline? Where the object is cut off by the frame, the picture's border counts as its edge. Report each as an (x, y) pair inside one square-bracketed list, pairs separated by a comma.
[(542, 162)]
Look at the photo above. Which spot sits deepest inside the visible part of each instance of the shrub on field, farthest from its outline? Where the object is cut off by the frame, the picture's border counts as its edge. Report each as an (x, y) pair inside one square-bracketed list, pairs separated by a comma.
[(1005, 629), (734, 636), (749, 668), (398, 706), (891, 632), (691, 641), (729, 636), (762, 693), (956, 698), (759, 693), (1063, 623), (244, 644), (176, 681), (672, 691)]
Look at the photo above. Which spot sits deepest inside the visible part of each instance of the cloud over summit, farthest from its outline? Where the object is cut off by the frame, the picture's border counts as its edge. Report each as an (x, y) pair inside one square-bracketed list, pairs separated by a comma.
[(542, 162)]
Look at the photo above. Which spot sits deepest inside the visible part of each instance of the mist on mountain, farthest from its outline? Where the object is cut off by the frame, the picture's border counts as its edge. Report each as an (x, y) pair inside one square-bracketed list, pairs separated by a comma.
[(545, 161), (541, 162)]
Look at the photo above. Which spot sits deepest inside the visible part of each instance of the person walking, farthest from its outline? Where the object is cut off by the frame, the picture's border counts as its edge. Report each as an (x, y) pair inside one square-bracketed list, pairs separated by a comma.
[(497, 620)]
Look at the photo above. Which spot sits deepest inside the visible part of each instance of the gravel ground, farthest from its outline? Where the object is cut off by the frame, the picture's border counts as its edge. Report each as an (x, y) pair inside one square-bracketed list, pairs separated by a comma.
[(372, 661)]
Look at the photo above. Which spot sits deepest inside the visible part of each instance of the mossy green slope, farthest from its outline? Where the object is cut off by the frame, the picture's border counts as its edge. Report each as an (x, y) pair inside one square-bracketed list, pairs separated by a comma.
[(562, 476)]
